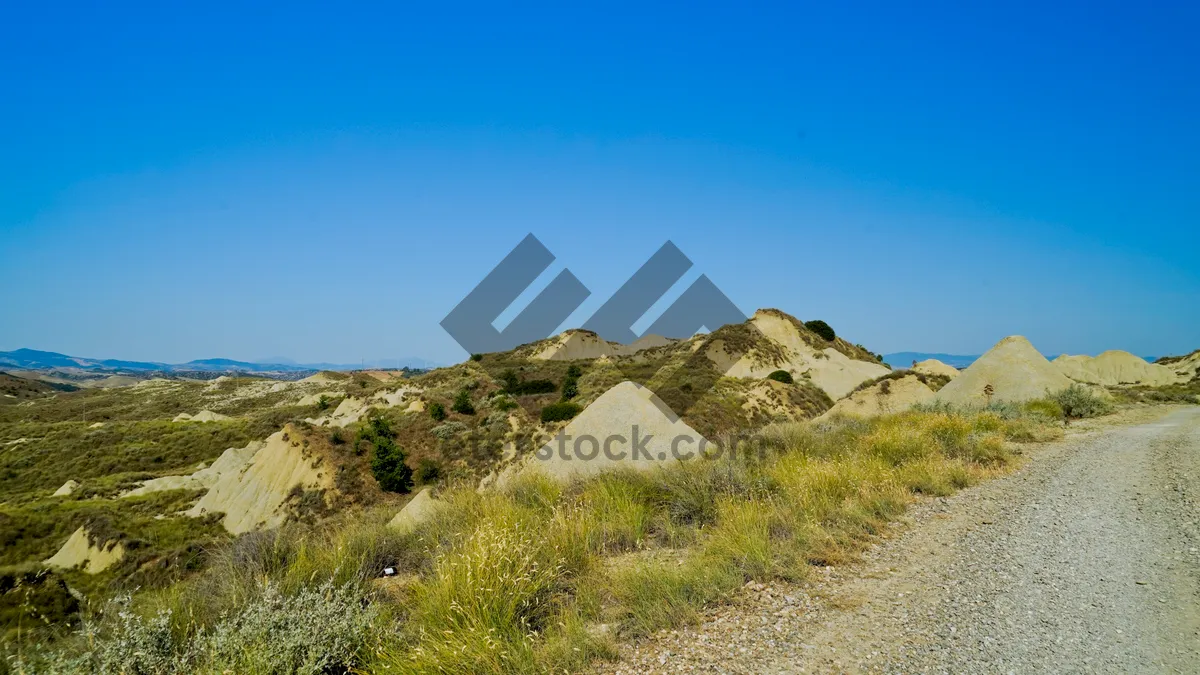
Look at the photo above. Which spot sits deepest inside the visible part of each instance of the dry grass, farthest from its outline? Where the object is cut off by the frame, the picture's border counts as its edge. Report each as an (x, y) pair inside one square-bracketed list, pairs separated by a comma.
[(517, 581)]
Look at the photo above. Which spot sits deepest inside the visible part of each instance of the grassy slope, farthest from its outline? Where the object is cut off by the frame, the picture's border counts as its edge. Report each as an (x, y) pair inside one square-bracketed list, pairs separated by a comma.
[(511, 582)]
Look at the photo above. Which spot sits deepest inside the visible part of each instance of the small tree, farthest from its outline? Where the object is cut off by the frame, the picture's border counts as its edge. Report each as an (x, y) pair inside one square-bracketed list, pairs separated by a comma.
[(462, 403), (477, 357), (437, 411), (821, 328), (387, 458), (560, 412), (570, 385)]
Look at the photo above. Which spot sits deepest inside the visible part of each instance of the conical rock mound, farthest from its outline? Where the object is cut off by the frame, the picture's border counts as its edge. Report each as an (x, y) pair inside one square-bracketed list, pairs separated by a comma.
[(883, 398), (628, 427), (1014, 371)]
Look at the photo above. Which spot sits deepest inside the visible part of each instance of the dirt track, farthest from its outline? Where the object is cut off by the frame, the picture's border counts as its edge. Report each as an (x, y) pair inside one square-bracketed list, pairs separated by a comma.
[(1087, 559)]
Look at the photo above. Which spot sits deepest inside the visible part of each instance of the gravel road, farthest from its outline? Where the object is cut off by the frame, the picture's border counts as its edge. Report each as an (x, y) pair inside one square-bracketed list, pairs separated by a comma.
[(1087, 559)]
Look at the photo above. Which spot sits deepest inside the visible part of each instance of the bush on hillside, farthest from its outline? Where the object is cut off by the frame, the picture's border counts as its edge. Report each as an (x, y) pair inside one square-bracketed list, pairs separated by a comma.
[(462, 403), (428, 472), (821, 328), (781, 376), (503, 403), (437, 411), (445, 432), (477, 357), (560, 412), (387, 458), (1078, 402), (515, 386), (570, 385)]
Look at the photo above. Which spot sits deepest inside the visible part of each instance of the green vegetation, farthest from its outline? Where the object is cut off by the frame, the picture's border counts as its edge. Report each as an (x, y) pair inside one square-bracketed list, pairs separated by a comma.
[(428, 472), (118, 453), (1078, 401), (516, 386), (477, 357), (821, 328), (503, 403), (560, 411), (387, 458), (462, 403), (509, 581), (570, 385), (15, 389), (781, 376), (437, 411), (1048, 408)]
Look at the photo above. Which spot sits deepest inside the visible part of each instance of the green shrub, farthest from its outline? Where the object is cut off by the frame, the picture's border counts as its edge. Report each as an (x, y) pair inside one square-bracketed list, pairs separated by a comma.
[(428, 472), (445, 432), (1078, 401), (570, 385), (536, 387), (437, 411), (531, 387), (781, 376), (503, 403), (462, 403), (561, 411), (477, 357), (324, 629), (387, 458), (515, 386), (821, 328)]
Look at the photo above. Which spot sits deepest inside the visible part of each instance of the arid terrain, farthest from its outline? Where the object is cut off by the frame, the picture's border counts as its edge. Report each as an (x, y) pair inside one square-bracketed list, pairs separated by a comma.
[(1086, 559), (770, 497)]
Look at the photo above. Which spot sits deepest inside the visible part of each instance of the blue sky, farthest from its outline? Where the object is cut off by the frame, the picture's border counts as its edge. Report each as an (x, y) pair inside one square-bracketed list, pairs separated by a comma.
[(325, 183)]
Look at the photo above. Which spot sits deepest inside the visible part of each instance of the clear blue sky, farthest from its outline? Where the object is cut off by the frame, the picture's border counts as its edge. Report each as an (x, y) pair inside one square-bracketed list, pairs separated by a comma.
[(325, 183)]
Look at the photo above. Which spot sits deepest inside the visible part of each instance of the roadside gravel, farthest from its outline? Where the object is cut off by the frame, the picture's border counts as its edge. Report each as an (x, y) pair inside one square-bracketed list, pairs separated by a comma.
[(1087, 559)]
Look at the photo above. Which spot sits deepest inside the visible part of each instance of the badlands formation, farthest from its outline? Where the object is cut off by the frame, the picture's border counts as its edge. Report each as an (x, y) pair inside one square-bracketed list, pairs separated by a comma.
[(1010, 371), (887, 396), (935, 367), (628, 427), (1116, 368), (797, 351), (80, 551), (254, 495)]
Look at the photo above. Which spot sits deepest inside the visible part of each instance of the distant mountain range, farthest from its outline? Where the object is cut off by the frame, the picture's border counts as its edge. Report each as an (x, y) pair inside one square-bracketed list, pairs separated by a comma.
[(33, 359)]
